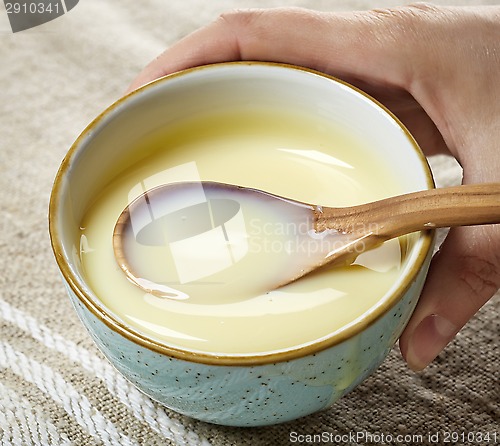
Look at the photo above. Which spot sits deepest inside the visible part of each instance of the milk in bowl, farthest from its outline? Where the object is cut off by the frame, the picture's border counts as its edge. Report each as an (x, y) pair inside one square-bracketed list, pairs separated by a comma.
[(279, 151)]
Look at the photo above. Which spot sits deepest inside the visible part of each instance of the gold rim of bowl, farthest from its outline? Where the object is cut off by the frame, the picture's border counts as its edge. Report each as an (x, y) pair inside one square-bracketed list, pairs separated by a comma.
[(106, 316)]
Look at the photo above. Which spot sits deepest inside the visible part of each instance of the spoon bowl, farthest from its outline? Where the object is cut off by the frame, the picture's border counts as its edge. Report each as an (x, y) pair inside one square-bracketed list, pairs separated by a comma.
[(206, 232), (279, 238)]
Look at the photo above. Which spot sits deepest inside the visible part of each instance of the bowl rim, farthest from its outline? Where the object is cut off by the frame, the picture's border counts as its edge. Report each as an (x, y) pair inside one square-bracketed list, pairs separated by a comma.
[(112, 322)]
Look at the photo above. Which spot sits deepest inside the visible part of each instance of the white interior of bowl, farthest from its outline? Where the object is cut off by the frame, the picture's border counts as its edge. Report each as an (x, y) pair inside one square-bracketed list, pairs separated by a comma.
[(105, 142)]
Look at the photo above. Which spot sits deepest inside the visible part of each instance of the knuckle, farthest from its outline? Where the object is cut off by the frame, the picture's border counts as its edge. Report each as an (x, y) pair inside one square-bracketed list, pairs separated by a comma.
[(480, 275), (253, 17), (239, 17), (252, 29), (423, 7), (412, 19), (405, 23), (410, 12)]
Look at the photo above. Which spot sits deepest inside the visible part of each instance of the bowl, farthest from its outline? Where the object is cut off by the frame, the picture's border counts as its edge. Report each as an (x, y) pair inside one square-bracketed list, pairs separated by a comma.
[(247, 389)]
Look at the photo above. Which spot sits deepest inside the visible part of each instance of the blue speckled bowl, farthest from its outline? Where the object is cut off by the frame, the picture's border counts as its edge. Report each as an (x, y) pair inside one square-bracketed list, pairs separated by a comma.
[(237, 390)]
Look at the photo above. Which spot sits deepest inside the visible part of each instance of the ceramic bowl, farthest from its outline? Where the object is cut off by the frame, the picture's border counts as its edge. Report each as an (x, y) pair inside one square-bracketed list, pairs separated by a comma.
[(238, 390)]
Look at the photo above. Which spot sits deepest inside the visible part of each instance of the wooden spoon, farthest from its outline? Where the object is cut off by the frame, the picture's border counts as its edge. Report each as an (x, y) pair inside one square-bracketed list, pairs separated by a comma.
[(332, 236)]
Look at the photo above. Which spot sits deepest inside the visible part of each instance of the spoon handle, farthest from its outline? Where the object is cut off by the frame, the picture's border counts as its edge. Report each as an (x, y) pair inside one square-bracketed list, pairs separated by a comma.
[(466, 205)]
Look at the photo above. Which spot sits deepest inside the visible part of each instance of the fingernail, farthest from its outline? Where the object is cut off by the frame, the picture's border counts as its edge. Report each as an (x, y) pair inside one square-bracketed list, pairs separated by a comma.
[(428, 340)]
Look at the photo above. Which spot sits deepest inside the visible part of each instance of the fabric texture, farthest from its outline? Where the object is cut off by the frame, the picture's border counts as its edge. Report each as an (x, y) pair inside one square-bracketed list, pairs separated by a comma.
[(55, 386)]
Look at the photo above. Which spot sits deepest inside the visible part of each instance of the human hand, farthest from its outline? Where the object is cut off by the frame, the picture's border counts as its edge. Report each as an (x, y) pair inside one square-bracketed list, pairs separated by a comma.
[(438, 70)]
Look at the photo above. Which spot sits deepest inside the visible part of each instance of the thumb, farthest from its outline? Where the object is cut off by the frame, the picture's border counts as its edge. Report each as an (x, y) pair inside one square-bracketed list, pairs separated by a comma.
[(464, 275), (349, 45)]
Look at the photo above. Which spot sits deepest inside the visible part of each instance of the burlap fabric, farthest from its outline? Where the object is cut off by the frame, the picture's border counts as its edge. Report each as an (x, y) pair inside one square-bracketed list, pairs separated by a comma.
[(55, 386)]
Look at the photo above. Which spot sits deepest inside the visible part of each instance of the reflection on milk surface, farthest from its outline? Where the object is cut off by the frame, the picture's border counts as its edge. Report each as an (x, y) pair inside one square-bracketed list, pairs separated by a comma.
[(184, 236), (228, 265)]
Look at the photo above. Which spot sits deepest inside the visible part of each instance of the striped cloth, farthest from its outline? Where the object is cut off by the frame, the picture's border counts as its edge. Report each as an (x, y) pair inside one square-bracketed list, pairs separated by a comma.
[(55, 386)]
